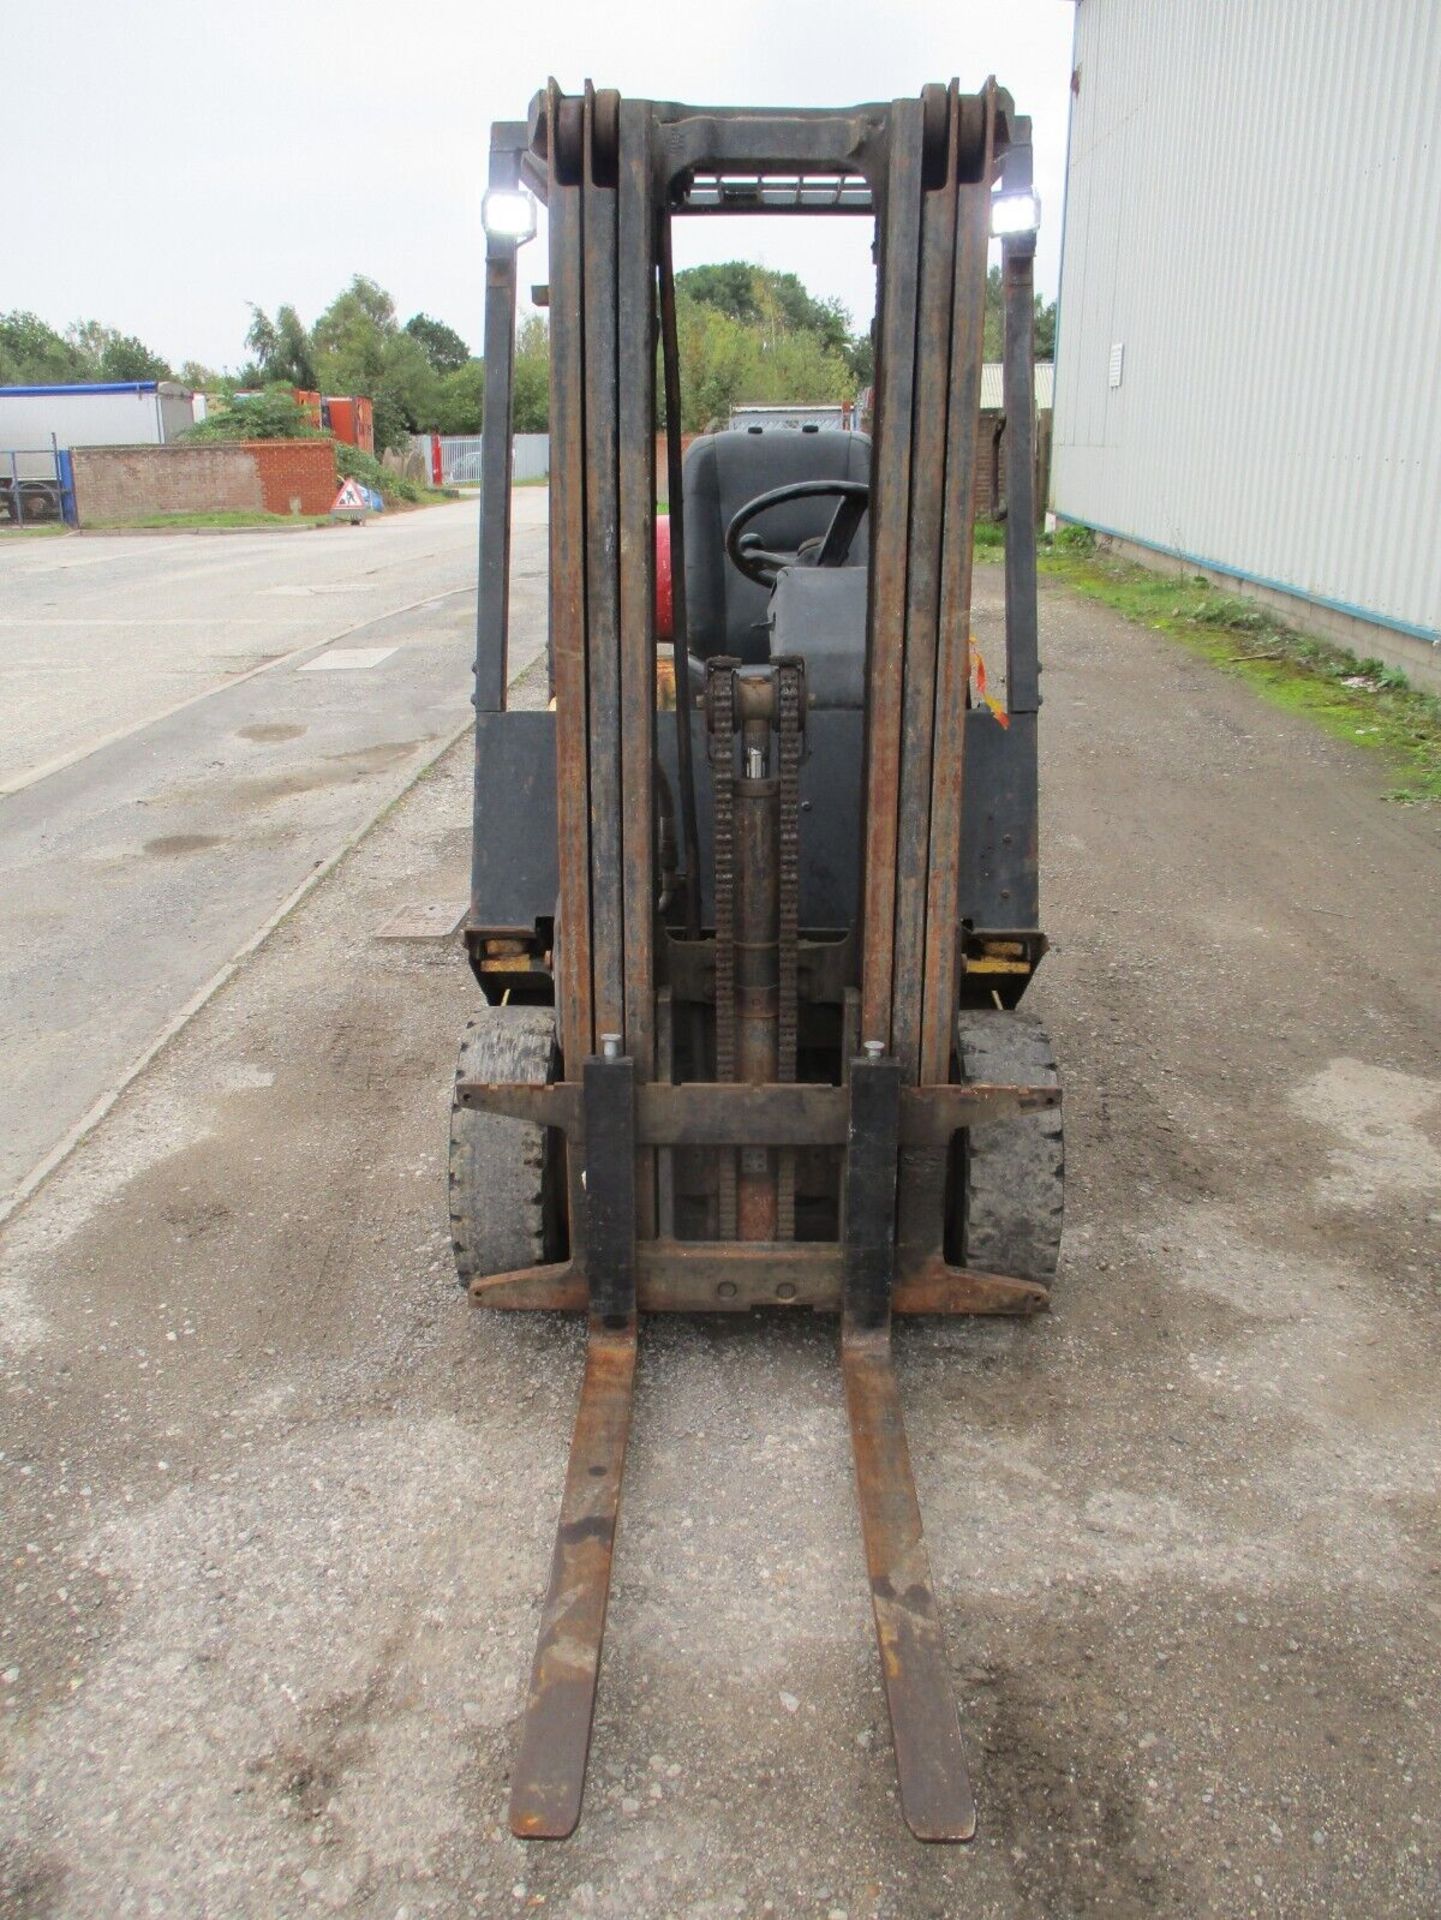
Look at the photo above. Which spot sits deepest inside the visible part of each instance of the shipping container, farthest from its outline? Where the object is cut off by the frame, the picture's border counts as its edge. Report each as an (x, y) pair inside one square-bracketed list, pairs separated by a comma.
[(115, 413), (350, 418)]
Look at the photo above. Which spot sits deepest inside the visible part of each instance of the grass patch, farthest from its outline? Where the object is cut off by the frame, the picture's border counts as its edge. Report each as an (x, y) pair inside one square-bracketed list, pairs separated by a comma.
[(43, 529), (1361, 701), (229, 517)]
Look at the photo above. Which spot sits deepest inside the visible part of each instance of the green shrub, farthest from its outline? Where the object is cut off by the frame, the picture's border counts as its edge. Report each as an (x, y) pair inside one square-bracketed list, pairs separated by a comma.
[(272, 415), (354, 464), (1075, 539), (1236, 616)]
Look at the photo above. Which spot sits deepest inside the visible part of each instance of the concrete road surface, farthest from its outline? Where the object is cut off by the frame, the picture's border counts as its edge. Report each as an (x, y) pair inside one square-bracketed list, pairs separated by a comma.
[(278, 1506), (194, 724)]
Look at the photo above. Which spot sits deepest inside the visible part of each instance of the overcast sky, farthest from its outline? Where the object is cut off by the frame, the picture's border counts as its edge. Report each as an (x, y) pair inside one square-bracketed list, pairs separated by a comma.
[(171, 160)]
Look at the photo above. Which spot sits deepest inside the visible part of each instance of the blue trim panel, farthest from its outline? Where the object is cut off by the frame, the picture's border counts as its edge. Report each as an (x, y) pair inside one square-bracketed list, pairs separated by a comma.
[(65, 474), (1430, 634), (99, 386)]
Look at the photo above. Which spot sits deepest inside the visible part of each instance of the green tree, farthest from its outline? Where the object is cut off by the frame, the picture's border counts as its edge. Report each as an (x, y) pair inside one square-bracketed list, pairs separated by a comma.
[(772, 301), (1045, 329), (714, 351), (407, 393), (530, 384), (282, 348), (442, 345), (729, 287), (460, 399), (995, 327), (126, 358), (725, 360), (349, 338), (33, 354), (359, 348)]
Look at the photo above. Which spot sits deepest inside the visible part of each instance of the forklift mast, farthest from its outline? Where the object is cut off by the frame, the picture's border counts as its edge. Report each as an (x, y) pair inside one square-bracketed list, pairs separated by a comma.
[(752, 1094)]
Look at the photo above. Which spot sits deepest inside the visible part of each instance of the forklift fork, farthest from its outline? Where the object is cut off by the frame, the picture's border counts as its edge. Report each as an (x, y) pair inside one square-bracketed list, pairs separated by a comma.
[(549, 1780)]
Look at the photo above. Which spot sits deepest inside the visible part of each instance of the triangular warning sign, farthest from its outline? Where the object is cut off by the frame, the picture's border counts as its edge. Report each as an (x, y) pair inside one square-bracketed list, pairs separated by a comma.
[(351, 498)]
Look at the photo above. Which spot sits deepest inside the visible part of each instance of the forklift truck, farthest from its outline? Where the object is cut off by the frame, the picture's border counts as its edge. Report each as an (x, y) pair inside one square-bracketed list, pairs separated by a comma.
[(752, 914)]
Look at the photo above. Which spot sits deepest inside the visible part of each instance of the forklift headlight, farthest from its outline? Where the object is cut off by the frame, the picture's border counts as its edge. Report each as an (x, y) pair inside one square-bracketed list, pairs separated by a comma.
[(1014, 213), (508, 213)]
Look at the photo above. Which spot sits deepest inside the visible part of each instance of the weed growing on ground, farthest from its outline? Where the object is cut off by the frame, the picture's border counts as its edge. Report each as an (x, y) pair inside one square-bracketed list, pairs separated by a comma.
[(1365, 702)]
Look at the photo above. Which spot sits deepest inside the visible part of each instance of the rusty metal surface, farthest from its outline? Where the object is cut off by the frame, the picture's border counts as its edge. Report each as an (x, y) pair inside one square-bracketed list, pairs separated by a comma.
[(549, 1778), (931, 1285), (599, 328), (736, 1277), (914, 853), (935, 1788), (567, 623), (636, 366), (689, 1276), (706, 1114), (899, 237)]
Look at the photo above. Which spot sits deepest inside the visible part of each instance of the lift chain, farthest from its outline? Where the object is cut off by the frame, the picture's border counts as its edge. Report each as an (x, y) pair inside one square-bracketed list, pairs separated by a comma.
[(790, 719), (720, 719)]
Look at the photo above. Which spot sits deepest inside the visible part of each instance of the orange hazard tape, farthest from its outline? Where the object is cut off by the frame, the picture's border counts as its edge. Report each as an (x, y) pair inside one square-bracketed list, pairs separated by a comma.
[(978, 676)]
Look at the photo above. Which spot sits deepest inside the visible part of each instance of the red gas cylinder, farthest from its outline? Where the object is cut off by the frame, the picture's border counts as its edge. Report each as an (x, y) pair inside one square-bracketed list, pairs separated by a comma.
[(662, 577)]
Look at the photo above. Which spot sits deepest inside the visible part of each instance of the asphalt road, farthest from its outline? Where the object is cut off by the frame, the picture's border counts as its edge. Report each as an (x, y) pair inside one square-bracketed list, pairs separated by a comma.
[(193, 725), (278, 1505)]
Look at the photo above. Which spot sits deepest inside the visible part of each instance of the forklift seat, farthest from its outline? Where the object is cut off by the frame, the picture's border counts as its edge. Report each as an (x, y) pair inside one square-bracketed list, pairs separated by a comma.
[(726, 613)]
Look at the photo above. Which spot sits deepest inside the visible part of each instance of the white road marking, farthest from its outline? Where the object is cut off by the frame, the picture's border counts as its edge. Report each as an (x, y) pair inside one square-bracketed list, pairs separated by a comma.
[(347, 660)]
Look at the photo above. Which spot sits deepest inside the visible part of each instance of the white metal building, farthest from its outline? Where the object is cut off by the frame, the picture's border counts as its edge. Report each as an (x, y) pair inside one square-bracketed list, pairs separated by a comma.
[(1248, 374)]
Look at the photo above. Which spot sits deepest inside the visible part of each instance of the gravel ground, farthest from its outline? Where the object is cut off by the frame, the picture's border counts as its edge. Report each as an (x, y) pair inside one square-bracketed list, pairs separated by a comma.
[(278, 1505)]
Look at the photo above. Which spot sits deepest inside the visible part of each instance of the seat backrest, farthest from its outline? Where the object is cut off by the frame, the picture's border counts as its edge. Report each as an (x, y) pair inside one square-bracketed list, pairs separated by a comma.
[(726, 613)]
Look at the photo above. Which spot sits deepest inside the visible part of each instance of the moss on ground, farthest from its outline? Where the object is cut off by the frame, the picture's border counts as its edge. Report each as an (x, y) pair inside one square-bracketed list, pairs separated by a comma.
[(221, 518), (1361, 701)]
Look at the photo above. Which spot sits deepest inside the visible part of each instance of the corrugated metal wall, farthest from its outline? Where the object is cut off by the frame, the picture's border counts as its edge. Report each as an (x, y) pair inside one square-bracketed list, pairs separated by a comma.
[(1254, 212)]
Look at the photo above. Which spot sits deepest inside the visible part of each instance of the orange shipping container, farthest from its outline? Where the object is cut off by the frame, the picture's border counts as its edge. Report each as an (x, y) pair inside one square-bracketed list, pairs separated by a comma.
[(350, 418)]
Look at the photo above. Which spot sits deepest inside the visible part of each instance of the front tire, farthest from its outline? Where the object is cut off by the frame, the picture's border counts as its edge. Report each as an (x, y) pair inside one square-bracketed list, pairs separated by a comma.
[(1009, 1180), (506, 1176)]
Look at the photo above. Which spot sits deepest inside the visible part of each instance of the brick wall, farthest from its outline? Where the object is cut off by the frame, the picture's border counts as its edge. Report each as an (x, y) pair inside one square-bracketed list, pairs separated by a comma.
[(252, 476), (990, 471), (296, 476), (127, 483)]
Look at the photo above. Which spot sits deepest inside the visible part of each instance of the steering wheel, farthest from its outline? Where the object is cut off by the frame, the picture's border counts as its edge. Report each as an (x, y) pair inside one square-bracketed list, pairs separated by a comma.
[(760, 564)]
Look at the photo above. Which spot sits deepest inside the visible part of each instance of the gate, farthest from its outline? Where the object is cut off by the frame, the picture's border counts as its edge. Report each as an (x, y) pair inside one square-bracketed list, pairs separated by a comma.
[(37, 484)]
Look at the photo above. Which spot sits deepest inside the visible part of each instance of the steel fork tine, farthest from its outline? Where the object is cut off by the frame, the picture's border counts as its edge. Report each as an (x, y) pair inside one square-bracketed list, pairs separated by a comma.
[(935, 1787), (549, 1780)]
